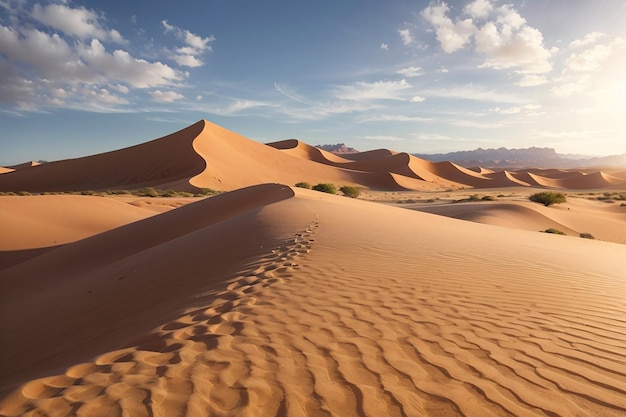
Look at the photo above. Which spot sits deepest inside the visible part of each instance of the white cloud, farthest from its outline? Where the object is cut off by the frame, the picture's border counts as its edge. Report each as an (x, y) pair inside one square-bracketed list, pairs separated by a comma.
[(505, 48), (593, 57), (529, 108), (187, 60), (121, 88), (471, 92), (477, 125), (443, 70), (386, 90), (588, 39), (451, 36), (78, 22), (188, 56), (53, 65), (374, 118), (410, 72), (166, 96), (479, 8), (417, 99), (505, 39), (405, 35), (596, 67), (384, 46), (532, 80), (121, 66), (568, 85)]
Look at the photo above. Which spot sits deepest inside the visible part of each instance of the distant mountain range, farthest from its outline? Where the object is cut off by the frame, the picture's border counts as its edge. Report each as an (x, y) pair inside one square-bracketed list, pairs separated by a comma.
[(339, 148), (525, 158), (532, 157)]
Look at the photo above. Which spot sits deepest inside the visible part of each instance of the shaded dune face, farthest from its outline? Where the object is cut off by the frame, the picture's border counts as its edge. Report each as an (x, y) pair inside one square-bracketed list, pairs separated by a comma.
[(285, 302), (160, 162), (205, 155)]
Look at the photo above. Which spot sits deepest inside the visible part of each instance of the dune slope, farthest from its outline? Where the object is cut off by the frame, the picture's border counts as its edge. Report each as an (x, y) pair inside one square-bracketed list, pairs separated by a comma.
[(270, 301), (205, 155)]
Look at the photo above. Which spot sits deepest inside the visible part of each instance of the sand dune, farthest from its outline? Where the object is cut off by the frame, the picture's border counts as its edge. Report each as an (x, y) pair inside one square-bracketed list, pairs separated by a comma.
[(4, 170), (205, 155), (272, 301), (577, 216), (32, 225), (25, 165)]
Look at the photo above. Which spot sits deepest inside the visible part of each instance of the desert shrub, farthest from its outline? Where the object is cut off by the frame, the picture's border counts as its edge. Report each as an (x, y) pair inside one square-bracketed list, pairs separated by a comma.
[(349, 191), (89, 192), (325, 188), (488, 198), (547, 198), (147, 192), (168, 193), (206, 191), (554, 231), (474, 197), (586, 235), (304, 184), (430, 200), (24, 193), (184, 194), (117, 192)]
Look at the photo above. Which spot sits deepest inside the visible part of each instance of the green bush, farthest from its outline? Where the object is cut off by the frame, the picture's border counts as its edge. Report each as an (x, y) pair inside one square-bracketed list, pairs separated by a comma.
[(24, 193), (554, 231), (585, 235), (351, 192), (325, 188), (168, 193), (547, 198), (304, 185), (206, 191), (147, 192), (89, 192)]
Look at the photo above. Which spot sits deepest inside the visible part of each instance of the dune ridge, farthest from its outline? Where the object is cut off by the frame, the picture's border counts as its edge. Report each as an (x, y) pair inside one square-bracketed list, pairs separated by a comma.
[(239, 305), (205, 155)]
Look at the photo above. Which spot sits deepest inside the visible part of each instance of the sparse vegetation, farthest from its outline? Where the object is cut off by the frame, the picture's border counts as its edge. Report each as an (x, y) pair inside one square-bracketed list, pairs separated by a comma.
[(206, 191), (304, 184), (24, 193), (611, 197), (488, 198), (325, 188), (554, 231), (349, 191), (585, 235), (90, 192), (146, 192), (547, 198)]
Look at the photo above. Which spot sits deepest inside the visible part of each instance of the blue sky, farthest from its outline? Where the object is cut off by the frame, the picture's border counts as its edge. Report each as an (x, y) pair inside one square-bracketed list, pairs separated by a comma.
[(83, 77)]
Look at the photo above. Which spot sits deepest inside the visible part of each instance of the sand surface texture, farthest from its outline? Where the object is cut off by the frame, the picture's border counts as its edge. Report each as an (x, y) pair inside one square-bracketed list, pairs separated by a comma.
[(273, 301)]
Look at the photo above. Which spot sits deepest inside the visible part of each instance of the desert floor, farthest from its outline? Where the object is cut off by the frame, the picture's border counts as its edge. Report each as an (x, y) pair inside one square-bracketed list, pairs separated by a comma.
[(278, 301)]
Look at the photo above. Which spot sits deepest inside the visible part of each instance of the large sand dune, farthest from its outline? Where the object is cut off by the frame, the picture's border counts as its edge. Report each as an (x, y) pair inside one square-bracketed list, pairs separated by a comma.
[(205, 155), (273, 301)]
